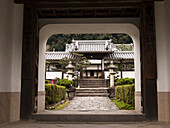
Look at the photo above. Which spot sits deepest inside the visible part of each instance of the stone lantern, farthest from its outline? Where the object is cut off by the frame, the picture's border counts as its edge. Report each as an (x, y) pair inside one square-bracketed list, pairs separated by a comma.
[(111, 71), (70, 72)]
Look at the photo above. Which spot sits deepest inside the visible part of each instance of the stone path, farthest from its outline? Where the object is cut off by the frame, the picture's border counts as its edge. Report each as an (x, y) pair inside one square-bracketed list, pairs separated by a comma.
[(91, 104)]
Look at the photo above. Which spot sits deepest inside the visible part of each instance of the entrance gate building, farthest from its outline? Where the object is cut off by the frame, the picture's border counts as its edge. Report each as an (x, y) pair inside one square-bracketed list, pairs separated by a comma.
[(45, 9)]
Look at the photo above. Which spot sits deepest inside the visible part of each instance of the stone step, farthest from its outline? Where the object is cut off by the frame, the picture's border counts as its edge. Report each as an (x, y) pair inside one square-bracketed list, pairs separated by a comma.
[(92, 94), (90, 117), (92, 86), (91, 91), (83, 92), (92, 83)]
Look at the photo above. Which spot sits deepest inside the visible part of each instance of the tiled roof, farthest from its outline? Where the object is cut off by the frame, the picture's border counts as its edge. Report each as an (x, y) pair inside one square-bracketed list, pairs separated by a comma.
[(92, 46), (58, 55), (120, 55), (116, 55)]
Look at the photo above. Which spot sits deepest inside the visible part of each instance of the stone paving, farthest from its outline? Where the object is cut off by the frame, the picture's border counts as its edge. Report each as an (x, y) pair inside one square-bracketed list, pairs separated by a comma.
[(44, 124), (91, 104)]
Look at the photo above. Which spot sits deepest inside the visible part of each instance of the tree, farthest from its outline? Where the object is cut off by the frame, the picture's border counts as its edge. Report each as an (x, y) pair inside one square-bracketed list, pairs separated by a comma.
[(47, 48), (47, 64), (59, 41), (123, 47), (79, 61), (64, 62)]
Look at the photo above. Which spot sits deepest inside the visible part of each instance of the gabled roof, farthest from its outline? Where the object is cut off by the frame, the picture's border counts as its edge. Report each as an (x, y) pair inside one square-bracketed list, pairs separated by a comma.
[(90, 46), (117, 55), (58, 55)]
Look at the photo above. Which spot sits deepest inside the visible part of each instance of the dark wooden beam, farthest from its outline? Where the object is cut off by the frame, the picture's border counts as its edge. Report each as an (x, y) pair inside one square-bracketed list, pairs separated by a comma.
[(80, 1), (95, 13), (29, 84), (41, 14), (149, 63), (54, 11), (88, 5), (82, 13)]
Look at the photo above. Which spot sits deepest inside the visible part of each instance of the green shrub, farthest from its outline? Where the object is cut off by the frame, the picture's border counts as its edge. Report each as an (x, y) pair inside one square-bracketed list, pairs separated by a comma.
[(124, 81), (123, 106), (46, 81), (100, 76), (54, 93), (65, 82), (126, 93)]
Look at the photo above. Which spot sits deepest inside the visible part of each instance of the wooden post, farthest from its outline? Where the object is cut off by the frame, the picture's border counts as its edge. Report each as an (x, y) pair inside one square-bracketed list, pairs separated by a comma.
[(149, 66), (102, 68), (30, 51), (97, 71), (121, 66), (86, 73)]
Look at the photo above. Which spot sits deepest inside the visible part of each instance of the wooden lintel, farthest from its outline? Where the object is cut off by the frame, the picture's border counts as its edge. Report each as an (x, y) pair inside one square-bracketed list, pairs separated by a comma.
[(79, 1), (87, 6)]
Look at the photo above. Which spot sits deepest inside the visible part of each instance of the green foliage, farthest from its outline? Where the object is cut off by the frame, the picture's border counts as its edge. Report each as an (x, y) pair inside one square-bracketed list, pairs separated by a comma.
[(46, 81), (64, 62), (80, 62), (123, 47), (47, 64), (100, 76), (123, 106), (126, 93), (61, 106), (65, 82), (59, 41), (54, 93), (124, 81)]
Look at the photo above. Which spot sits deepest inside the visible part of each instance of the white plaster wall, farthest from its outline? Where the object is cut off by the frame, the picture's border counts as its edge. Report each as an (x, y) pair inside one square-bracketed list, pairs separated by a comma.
[(162, 17), (10, 50), (92, 67), (17, 48), (53, 75), (52, 29), (129, 74)]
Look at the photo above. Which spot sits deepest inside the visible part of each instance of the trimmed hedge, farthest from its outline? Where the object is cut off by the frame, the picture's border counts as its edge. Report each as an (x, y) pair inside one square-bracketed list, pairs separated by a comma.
[(65, 82), (125, 81), (54, 93), (46, 81), (126, 93)]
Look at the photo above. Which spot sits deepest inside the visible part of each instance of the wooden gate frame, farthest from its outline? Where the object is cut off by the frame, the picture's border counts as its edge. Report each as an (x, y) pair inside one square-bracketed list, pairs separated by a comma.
[(30, 54)]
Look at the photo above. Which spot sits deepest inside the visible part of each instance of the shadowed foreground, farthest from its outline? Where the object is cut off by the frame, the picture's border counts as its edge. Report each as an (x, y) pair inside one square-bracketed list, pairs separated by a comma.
[(36, 124)]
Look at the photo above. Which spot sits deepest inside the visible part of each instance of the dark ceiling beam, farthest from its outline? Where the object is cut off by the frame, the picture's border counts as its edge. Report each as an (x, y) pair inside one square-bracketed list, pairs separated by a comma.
[(82, 13), (68, 13), (123, 12), (109, 12), (79, 1), (95, 13), (41, 14), (88, 6), (54, 11)]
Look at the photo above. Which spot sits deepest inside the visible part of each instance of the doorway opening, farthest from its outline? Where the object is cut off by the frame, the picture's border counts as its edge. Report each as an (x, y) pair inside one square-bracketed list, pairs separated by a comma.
[(96, 62)]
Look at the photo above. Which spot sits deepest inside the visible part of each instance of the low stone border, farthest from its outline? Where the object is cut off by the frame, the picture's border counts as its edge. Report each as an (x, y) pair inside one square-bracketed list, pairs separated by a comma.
[(53, 106)]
